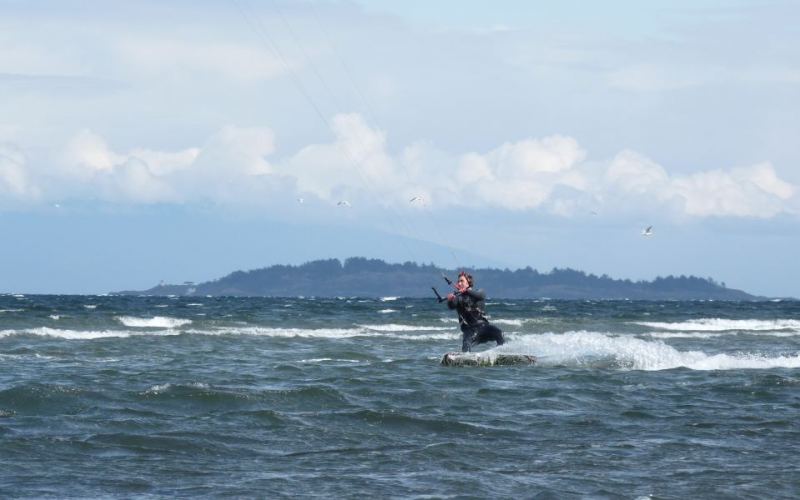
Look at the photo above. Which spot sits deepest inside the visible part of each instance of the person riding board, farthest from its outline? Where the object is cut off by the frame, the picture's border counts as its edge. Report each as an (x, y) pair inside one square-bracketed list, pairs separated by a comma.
[(470, 304)]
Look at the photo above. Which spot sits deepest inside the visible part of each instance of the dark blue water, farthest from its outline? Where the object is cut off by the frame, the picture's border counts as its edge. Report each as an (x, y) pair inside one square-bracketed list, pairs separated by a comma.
[(164, 397)]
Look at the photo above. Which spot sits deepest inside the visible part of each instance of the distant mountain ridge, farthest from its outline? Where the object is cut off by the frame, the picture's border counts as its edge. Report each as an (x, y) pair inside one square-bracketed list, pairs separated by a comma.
[(363, 277)]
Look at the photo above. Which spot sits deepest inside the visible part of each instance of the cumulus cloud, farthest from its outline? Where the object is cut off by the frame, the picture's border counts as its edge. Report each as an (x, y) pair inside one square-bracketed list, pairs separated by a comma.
[(521, 175), (15, 183), (240, 166), (356, 161), (754, 191)]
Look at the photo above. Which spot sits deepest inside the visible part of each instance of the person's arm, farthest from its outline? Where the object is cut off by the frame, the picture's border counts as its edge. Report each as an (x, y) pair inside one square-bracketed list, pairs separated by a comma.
[(475, 294)]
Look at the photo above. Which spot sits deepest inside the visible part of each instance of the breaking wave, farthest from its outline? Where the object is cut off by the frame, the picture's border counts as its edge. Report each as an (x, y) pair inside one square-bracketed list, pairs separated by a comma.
[(722, 325), (334, 333), (154, 322), (594, 349), (81, 334), (391, 327)]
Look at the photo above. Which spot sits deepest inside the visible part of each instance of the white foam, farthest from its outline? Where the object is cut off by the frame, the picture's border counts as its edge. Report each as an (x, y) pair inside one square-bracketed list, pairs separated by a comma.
[(683, 335), (55, 317), (323, 333), (78, 334), (387, 311), (721, 325), (160, 388), (388, 299), (584, 348), (323, 360), (90, 306), (11, 310), (392, 327), (26, 356), (154, 322), (708, 335), (512, 322), (194, 304), (66, 334)]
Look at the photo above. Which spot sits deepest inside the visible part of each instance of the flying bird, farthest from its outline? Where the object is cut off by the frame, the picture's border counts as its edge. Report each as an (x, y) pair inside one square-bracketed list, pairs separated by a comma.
[(648, 231), (300, 200), (343, 203), (416, 198)]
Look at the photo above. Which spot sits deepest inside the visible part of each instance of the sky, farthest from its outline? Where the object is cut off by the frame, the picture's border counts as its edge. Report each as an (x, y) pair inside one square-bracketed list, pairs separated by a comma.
[(180, 141)]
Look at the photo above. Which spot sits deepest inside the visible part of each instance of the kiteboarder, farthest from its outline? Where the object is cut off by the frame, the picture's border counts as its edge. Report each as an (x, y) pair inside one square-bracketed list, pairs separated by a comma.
[(470, 304)]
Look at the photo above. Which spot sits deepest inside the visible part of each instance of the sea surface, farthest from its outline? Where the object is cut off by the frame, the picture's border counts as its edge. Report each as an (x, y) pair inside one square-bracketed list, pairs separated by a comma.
[(137, 397)]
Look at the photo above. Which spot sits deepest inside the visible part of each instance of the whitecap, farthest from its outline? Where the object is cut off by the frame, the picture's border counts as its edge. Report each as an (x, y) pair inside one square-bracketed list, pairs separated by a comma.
[(335, 360), (154, 322), (323, 333), (158, 389), (161, 388), (388, 299), (66, 334), (80, 334), (683, 335), (585, 348), (512, 322), (392, 327), (387, 311), (721, 325)]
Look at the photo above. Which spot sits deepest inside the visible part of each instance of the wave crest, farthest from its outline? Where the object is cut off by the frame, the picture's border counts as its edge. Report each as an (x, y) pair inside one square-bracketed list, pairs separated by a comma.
[(594, 349), (721, 325), (154, 322)]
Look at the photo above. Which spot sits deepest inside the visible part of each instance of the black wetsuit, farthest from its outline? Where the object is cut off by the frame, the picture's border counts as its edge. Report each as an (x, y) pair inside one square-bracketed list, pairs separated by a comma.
[(475, 328)]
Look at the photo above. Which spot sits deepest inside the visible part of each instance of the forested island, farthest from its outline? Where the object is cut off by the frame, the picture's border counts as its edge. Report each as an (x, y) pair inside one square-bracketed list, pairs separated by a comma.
[(362, 277)]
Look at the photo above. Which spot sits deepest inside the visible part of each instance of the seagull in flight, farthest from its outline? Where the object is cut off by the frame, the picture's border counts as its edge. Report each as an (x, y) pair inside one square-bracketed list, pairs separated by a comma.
[(648, 231), (343, 203), (300, 200)]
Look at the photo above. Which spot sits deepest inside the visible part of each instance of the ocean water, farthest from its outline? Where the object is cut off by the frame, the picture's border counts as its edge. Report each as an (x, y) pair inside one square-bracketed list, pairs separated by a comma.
[(104, 396)]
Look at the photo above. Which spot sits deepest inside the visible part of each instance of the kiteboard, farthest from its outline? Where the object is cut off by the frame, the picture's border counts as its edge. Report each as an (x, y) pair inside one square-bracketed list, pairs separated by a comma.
[(486, 359)]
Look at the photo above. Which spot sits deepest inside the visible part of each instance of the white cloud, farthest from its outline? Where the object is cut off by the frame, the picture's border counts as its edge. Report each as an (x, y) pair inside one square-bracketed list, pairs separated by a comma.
[(356, 161), (521, 175), (238, 166), (742, 192), (754, 191), (15, 183), (89, 152), (633, 173)]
